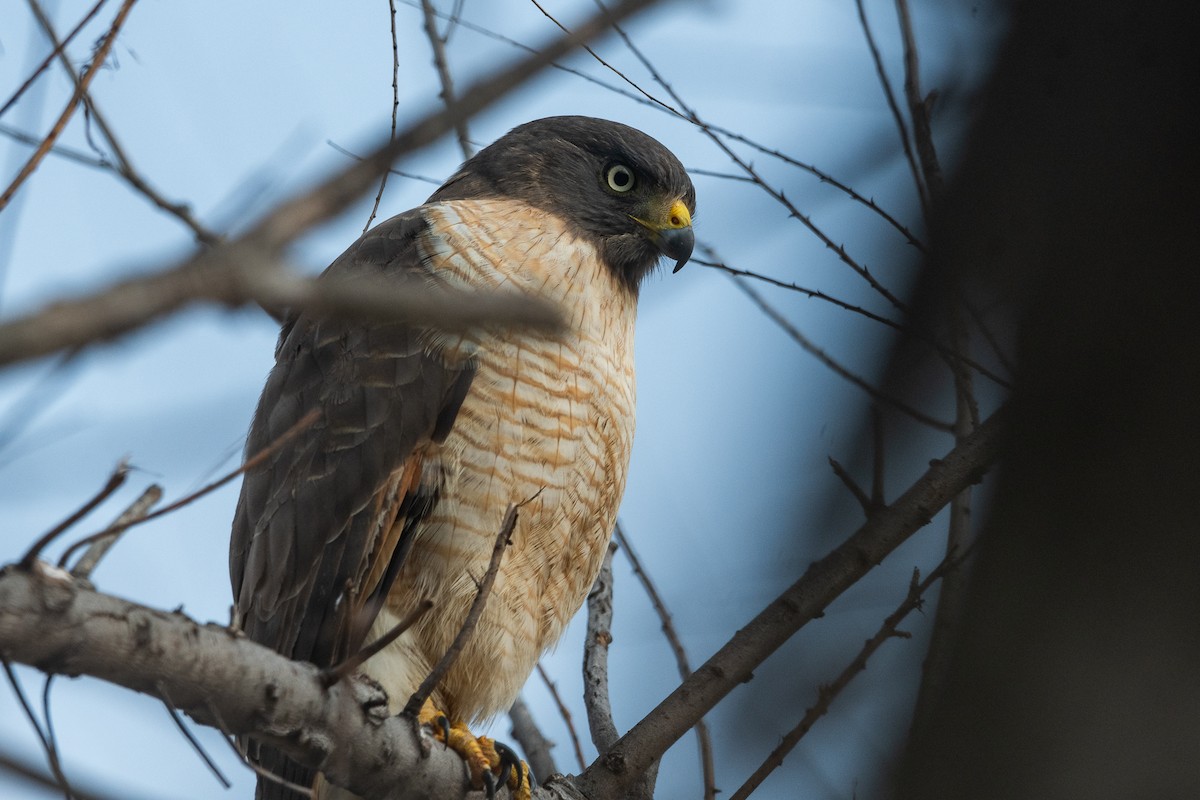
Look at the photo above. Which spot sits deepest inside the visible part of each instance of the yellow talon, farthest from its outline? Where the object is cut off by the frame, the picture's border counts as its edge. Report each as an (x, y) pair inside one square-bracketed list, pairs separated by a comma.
[(520, 782), (480, 752)]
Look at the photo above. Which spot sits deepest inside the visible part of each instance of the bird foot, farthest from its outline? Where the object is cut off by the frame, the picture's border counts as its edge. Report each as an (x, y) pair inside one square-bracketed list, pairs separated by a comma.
[(491, 764)]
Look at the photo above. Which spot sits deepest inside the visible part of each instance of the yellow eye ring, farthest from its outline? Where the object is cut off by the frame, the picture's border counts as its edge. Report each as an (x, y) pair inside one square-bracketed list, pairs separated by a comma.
[(620, 178)]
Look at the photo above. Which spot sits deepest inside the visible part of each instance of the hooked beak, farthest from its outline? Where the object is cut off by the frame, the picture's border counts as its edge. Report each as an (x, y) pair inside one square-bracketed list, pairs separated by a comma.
[(672, 233)]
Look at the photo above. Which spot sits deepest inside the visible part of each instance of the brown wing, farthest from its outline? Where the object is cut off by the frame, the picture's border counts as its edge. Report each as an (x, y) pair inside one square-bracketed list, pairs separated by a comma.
[(319, 531)]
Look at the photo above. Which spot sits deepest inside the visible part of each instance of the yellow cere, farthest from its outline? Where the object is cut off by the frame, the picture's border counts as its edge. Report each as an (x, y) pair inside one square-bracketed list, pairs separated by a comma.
[(678, 216)]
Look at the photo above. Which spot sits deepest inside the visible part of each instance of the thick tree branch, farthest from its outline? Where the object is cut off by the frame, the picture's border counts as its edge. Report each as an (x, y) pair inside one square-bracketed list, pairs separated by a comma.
[(805, 600), (56, 624)]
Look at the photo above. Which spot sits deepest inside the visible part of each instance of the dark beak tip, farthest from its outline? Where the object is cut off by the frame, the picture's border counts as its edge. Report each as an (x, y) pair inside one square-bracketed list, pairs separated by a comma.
[(677, 244)]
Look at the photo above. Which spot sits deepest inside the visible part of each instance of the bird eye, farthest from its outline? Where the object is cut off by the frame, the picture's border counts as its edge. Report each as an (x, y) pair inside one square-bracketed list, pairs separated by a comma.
[(620, 178)]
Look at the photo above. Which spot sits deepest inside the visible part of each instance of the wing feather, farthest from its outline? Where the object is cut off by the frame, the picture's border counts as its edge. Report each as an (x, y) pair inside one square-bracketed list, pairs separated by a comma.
[(318, 527)]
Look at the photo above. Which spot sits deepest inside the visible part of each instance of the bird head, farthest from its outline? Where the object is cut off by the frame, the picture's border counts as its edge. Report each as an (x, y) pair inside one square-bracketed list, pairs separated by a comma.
[(612, 184)]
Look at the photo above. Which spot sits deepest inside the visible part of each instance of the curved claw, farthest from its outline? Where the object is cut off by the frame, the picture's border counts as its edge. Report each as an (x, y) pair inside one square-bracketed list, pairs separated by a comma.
[(510, 762), (443, 725)]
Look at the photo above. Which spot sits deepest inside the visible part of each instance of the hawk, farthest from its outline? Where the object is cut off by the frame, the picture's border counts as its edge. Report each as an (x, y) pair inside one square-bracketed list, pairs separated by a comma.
[(424, 437)]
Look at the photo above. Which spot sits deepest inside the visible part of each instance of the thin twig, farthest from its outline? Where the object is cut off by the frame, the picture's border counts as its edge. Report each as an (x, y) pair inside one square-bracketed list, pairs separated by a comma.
[(137, 509), (347, 667), (654, 100), (472, 619), (232, 741), (645, 98), (118, 476), (383, 179), (331, 196), (824, 177), (412, 175), (62, 151), (191, 738), (918, 106), (703, 738), (48, 718), (864, 500), (302, 424), (830, 362), (778, 194), (135, 303), (827, 692), (46, 738), (123, 167), (946, 352), (60, 124), (11, 766), (438, 45), (894, 107), (58, 48), (565, 713), (533, 742)]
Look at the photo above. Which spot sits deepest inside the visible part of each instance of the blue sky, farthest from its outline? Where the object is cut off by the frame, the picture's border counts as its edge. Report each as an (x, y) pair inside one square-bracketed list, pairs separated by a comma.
[(232, 107)]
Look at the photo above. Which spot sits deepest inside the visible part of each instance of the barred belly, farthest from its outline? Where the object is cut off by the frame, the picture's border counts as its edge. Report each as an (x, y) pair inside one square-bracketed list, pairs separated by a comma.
[(548, 424)]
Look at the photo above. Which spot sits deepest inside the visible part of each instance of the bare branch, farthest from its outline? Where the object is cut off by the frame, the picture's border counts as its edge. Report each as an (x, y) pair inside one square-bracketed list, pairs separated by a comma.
[(690, 114), (645, 98), (438, 44), (137, 510), (918, 106), (533, 743), (894, 107), (703, 739), (351, 664), (113, 483), (190, 737), (236, 276), (302, 424), (805, 600), (443, 666), (946, 352), (864, 500), (237, 272), (61, 123), (63, 627), (303, 791), (383, 179), (62, 151), (565, 713), (829, 361), (595, 657), (46, 737), (595, 675), (58, 48), (826, 693), (412, 175), (12, 766), (333, 195)]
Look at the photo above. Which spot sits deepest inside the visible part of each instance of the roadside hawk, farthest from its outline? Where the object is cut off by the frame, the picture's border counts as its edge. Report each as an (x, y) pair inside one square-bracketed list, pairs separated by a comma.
[(424, 437)]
